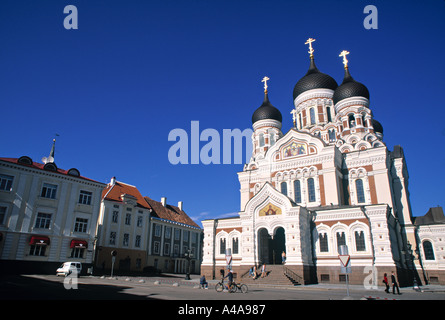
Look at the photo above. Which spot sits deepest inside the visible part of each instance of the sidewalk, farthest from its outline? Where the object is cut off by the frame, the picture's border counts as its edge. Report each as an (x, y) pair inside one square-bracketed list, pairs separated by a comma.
[(179, 279)]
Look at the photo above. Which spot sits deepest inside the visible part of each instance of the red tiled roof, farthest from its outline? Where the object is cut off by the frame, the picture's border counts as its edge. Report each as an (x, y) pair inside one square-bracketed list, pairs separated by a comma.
[(169, 212), (37, 165), (120, 188)]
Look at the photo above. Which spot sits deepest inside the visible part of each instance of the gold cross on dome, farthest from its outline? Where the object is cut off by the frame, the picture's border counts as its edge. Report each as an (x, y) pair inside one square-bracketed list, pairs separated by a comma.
[(343, 54), (265, 79), (309, 42)]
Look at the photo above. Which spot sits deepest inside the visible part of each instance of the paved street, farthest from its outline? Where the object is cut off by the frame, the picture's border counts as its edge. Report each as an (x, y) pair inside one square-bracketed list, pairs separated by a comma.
[(31, 287)]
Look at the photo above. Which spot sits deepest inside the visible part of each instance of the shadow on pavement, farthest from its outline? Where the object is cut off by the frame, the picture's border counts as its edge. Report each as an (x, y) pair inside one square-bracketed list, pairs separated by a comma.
[(17, 287)]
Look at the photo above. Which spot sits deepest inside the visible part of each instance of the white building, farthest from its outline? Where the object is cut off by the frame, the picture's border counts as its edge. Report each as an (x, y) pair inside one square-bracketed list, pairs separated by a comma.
[(329, 181), (47, 215)]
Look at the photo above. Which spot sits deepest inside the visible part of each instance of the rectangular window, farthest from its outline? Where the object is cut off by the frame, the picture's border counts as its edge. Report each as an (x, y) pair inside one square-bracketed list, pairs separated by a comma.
[(49, 191), (128, 219), (85, 197), (157, 230), (156, 247), (77, 253), (166, 249), (43, 220), (113, 238), (126, 240), (311, 189), (139, 221), (37, 250), (115, 216), (168, 232), (81, 225), (137, 243), (2, 215), (177, 234), (6, 182)]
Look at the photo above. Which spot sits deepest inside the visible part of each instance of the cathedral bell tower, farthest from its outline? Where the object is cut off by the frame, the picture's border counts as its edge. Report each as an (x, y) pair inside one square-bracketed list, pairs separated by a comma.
[(266, 122), (353, 115)]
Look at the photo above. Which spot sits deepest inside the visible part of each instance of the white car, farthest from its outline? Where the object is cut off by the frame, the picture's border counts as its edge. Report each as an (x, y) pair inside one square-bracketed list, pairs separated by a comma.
[(68, 268)]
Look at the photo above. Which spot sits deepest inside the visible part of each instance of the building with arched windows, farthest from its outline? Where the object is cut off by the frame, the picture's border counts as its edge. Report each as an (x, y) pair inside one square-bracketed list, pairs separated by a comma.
[(329, 181)]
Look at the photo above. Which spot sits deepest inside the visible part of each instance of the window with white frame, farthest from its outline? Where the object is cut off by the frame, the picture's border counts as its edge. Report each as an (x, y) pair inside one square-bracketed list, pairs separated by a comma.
[(283, 186), (139, 221), (6, 182), (137, 242), (235, 245), (341, 239), (222, 246), (112, 238), (128, 219), (360, 191), (311, 189), (323, 242), (115, 216), (37, 250), (81, 225), (157, 230), (360, 240), (49, 191), (297, 191), (126, 240), (43, 220), (85, 197)]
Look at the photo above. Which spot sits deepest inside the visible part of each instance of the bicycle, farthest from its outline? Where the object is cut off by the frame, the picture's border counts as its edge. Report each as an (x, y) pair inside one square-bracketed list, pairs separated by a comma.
[(239, 286)]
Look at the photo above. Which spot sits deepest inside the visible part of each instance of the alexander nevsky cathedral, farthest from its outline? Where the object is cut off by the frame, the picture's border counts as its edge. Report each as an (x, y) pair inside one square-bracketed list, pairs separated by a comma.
[(327, 183)]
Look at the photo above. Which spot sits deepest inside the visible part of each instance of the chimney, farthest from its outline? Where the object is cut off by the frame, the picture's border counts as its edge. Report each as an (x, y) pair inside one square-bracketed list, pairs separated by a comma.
[(180, 203), (113, 181), (164, 201)]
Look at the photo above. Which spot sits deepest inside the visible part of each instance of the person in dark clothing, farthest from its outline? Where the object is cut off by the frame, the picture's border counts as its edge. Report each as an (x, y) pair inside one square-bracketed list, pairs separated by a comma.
[(394, 283), (229, 276)]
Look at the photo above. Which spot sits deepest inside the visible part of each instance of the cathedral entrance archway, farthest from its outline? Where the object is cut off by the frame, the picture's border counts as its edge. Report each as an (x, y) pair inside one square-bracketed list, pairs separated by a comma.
[(270, 247)]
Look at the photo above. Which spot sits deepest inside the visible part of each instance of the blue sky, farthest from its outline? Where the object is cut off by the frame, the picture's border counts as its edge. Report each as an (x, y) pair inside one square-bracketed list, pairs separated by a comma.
[(135, 70)]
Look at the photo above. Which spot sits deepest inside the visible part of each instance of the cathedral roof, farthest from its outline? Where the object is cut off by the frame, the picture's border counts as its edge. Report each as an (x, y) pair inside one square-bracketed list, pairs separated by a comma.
[(266, 111), (314, 79), (350, 88)]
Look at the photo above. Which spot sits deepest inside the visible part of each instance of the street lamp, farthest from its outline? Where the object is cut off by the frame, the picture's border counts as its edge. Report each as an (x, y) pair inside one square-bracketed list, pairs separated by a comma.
[(188, 255)]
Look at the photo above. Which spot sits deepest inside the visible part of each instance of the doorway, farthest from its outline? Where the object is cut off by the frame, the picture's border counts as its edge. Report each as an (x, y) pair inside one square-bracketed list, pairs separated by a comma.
[(270, 247)]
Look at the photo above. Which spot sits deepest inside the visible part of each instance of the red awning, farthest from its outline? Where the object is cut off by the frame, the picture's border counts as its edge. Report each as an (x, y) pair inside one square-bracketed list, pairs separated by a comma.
[(79, 244), (39, 240)]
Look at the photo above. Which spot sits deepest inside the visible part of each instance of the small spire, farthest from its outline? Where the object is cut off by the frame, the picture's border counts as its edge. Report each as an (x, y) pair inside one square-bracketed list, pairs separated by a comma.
[(343, 54), (50, 158), (311, 50), (265, 79)]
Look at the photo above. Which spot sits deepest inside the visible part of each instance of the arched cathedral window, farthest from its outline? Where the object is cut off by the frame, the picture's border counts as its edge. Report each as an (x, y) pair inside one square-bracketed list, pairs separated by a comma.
[(235, 245), (360, 241), (428, 250), (312, 114), (360, 191), (323, 238), (331, 134), (311, 189), (351, 120), (341, 240), (284, 188), (261, 140), (297, 191), (222, 246)]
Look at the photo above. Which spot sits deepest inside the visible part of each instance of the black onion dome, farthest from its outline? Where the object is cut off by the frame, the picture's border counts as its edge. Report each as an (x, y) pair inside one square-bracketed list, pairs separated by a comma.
[(377, 126), (314, 79), (350, 88), (266, 111)]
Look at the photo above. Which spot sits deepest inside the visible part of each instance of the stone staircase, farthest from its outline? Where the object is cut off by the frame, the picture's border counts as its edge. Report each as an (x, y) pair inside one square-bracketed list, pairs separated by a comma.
[(276, 275)]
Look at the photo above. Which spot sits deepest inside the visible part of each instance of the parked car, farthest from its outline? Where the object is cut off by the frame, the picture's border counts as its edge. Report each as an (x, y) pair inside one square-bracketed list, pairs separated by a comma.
[(68, 268)]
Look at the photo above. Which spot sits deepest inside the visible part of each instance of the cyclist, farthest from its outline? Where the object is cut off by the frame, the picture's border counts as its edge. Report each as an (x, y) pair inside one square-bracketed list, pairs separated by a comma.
[(229, 276)]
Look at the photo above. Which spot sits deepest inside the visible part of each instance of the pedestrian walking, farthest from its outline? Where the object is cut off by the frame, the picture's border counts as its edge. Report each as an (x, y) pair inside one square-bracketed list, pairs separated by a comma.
[(385, 281), (394, 283), (283, 257)]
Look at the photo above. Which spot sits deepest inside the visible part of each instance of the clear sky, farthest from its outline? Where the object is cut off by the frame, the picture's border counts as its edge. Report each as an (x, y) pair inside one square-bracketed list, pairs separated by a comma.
[(134, 70)]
